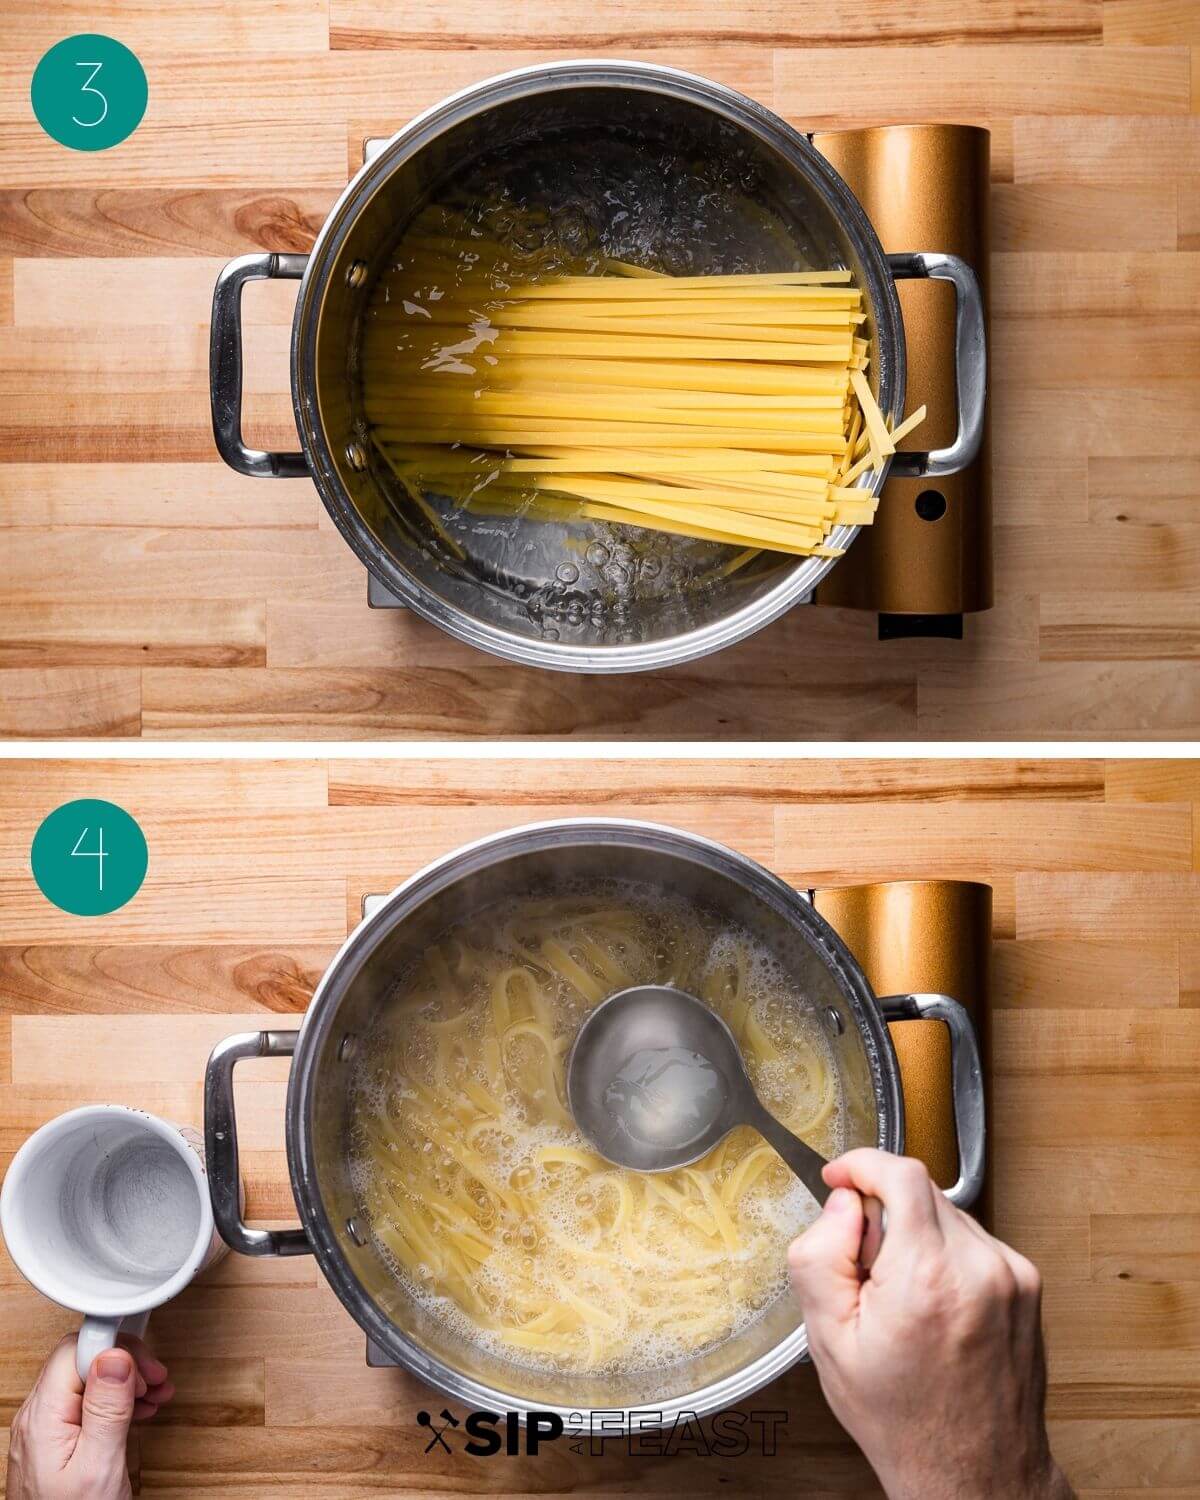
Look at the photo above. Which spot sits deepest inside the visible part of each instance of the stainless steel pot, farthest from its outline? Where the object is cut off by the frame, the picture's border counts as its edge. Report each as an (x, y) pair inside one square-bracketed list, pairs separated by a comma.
[(519, 609), (539, 858)]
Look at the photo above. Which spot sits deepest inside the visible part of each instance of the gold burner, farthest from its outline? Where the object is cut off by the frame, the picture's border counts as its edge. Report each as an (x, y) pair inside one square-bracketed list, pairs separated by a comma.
[(924, 936), (924, 187)]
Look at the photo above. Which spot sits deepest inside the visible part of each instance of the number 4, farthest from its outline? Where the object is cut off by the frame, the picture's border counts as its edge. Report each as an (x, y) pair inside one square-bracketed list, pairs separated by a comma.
[(99, 854), (88, 89)]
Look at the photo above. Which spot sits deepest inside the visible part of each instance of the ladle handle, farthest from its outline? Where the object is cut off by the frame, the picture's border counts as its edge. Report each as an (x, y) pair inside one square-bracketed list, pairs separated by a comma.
[(799, 1155), (807, 1165)]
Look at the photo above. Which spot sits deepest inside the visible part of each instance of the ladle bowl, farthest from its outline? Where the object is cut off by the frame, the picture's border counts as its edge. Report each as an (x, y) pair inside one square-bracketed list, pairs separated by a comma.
[(655, 1079)]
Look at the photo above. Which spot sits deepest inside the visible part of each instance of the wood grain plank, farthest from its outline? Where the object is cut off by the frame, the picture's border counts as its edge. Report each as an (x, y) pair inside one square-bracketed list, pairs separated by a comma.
[(1066, 974), (1121, 627), (194, 495), (1106, 422), (1150, 22), (141, 221), (1150, 1247), (1117, 489), (1107, 906), (1189, 971), (328, 636), (954, 838), (1049, 354), (223, 787), (1048, 488), (1189, 191), (159, 632), (70, 703), (70, 978), (1147, 1455), (133, 1049), (1069, 216), (385, 89), (6, 289), (200, 26), (301, 909), (1101, 1097), (82, 979), (1063, 701), (146, 563), (61, 362), (420, 24), (1093, 285), (390, 1459), (167, 291), (279, 843), (975, 84), (518, 783), (1117, 152), (261, 1101), (804, 700), (1152, 781), (105, 427), (1108, 558), (1095, 1042), (221, 154)]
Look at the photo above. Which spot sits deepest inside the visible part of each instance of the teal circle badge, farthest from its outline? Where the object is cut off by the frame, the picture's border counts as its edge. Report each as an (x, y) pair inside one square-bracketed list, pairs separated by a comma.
[(89, 92), (89, 857)]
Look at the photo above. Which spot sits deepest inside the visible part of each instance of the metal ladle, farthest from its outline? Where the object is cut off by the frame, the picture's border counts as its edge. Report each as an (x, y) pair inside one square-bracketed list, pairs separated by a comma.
[(655, 1079)]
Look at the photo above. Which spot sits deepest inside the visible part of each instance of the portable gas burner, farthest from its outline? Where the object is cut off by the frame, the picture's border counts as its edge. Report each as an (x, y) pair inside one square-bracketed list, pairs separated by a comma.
[(927, 560), (911, 937)]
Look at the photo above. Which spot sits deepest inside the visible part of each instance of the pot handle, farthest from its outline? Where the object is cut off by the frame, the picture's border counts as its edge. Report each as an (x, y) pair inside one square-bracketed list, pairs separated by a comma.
[(221, 1145), (970, 358), (966, 1083), (225, 365)]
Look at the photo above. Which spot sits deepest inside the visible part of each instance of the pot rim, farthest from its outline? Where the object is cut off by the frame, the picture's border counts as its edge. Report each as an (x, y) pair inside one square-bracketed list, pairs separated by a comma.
[(446, 870), (769, 128)]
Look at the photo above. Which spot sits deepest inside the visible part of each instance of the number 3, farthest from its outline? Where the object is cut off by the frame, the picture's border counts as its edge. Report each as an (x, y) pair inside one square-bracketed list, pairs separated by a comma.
[(88, 89)]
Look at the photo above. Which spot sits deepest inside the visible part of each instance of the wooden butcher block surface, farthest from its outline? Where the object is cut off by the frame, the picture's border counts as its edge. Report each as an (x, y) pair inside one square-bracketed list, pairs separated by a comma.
[(257, 871), (147, 590)]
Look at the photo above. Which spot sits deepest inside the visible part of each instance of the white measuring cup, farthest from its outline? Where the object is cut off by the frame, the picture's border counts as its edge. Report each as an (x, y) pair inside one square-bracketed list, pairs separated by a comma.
[(106, 1210)]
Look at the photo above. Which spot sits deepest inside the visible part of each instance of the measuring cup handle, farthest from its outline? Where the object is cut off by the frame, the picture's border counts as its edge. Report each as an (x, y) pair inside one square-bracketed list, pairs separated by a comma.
[(98, 1334)]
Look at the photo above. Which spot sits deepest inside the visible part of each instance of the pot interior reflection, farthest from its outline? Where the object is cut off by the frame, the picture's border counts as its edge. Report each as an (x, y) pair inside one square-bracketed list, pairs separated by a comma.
[(635, 172), (798, 941)]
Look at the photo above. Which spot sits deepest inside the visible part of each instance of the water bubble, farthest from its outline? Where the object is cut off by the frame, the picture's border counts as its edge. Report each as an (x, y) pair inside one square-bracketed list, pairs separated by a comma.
[(597, 554), (566, 573)]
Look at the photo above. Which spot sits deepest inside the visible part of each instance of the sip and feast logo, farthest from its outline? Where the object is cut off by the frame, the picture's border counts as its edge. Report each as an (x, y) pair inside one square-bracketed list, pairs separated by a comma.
[(640, 1434)]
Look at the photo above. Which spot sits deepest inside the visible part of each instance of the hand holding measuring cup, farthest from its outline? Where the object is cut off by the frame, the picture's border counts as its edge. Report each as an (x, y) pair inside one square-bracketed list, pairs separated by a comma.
[(68, 1439)]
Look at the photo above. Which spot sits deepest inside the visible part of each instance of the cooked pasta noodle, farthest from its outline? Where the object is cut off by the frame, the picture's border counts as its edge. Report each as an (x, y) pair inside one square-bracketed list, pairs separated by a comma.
[(488, 1203)]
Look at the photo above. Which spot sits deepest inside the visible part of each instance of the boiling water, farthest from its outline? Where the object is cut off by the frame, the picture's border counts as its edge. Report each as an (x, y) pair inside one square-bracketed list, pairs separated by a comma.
[(568, 204), (484, 1198), (665, 1096)]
